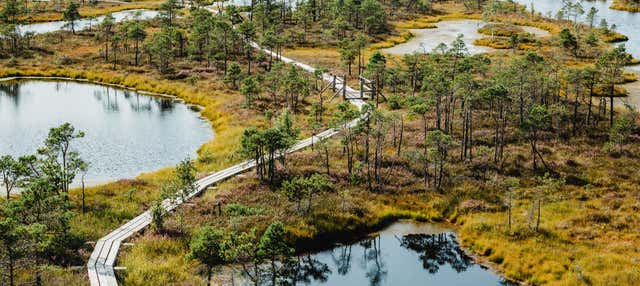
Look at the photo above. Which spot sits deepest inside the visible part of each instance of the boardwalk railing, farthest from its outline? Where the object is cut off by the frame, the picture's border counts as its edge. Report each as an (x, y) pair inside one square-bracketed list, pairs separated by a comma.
[(103, 258)]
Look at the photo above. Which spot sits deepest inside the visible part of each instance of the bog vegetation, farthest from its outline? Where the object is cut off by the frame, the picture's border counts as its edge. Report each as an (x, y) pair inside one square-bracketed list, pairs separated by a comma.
[(530, 151)]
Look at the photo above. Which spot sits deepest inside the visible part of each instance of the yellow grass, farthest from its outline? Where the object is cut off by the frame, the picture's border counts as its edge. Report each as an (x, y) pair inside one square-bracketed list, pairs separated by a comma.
[(89, 11), (625, 5)]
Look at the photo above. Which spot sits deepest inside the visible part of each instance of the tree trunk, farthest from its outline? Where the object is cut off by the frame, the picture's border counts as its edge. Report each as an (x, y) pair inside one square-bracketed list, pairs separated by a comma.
[(590, 105), (401, 134), (326, 159), (137, 51), (611, 90), (83, 195)]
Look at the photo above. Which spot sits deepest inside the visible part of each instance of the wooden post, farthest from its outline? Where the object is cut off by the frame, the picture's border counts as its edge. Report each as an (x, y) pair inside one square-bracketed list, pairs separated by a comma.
[(334, 83), (344, 87), (361, 88), (373, 91)]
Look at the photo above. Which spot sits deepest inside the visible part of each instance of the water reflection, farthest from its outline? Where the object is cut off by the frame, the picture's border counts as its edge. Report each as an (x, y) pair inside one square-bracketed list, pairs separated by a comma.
[(11, 91), (127, 133), (437, 250), (392, 258)]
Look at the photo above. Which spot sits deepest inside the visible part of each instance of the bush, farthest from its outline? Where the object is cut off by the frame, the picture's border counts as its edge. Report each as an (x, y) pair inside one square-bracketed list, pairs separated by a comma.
[(235, 209), (395, 102)]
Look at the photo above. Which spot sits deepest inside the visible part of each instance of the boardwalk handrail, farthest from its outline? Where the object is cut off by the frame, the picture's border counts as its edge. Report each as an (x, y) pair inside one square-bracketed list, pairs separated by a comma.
[(101, 264)]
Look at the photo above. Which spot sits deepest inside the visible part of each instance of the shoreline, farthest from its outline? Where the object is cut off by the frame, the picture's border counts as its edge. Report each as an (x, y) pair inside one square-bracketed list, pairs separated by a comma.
[(100, 182)]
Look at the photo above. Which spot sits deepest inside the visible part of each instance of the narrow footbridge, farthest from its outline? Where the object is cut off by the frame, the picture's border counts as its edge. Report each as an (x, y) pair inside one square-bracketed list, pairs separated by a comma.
[(103, 258)]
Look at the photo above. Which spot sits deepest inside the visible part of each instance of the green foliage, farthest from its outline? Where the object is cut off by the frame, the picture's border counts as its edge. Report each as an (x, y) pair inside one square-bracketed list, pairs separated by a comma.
[(273, 247), (375, 18), (186, 177), (264, 145), (622, 128), (161, 46), (591, 39), (568, 40), (438, 144), (237, 209), (250, 89), (71, 15), (233, 75), (395, 102), (537, 119), (14, 246), (35, 225), (57, 152), (207, 247), (158, 215), (273, 244), (12, 10), (12, 172), (298, 188)]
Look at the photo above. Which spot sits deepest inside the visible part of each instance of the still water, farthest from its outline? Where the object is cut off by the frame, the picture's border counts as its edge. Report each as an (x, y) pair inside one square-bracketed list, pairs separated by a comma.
[(85, 23), (126, 133), (627, 23), (426, 40), (405, 254)]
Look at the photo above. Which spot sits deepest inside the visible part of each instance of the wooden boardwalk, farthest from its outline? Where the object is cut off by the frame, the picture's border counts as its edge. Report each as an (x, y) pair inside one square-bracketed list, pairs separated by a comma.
[(103, 258)]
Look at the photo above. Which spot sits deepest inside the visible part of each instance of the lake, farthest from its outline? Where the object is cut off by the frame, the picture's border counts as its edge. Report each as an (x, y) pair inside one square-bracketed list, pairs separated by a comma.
[(85, 23), (404, 254), (425, 40), (126, 132)]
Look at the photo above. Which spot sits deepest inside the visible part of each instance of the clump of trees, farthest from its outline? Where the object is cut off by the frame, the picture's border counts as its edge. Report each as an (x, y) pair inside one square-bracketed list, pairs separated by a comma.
[(298, 189), (268, 146), (13, 42), (35, 226), (265, 259)]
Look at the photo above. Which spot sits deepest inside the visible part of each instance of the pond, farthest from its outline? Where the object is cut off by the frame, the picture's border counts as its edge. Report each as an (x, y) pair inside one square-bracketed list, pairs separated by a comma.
[(85, 23), (425, 40), (126, 132), (627, 23), (403, 254)]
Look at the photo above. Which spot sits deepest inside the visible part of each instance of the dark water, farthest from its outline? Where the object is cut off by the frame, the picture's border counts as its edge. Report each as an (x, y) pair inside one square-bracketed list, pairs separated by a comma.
[(403, 255), (47, 27), (126, 133)]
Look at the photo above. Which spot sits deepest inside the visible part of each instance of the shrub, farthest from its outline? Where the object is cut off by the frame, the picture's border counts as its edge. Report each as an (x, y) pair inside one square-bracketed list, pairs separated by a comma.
[(235, 209)]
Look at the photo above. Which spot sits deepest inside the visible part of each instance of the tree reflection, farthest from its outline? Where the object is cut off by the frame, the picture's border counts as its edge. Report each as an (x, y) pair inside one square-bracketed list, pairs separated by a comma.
[(166, 104), (434, 251), (377, 272), (12, 91), (304, 269), (437, 250), (134, 103), (343, 260)]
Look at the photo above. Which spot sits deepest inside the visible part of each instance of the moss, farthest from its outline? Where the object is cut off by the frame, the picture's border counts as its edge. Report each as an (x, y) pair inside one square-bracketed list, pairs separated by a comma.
[(392, 41), (603, 91), (496, 42), (87, 11), (625, 5), (501, 30), (614, 37)]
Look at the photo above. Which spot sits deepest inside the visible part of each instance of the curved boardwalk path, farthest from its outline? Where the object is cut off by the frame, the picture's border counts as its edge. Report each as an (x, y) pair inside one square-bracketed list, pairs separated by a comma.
[(102, 261)]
